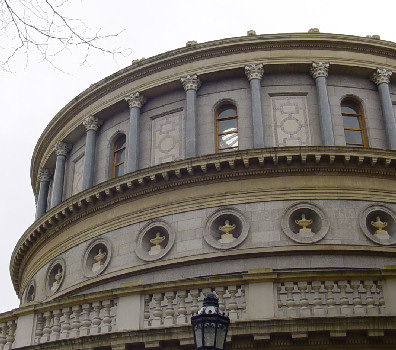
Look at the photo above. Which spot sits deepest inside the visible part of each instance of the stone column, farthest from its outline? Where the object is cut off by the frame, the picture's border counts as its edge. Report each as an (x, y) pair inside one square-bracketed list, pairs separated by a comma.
[(381, 77), (44, 176), (254, 73), (319, 72), (61, 149), (135, 101), (191, 84), (92, 124)]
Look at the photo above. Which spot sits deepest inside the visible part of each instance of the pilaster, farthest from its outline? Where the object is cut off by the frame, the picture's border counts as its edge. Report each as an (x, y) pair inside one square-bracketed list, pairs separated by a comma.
[(61, 150), (191, 84), (381, 77), (43, 177), (135, 101), (92, 124), (254, 73), (319, 72)]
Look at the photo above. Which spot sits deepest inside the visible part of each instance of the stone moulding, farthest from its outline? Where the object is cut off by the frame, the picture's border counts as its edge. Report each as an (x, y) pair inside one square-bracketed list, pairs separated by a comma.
[(251, 276), (211, 229), (85, 261), (216, 167), (127, 80), (52, 270), (318, 249), (380, 210), (142, 240), (318, 215)]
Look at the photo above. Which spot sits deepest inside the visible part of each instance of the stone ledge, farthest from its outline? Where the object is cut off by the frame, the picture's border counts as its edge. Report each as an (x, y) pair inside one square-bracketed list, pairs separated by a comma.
[(276, 334), (61, 300), (234, 165)]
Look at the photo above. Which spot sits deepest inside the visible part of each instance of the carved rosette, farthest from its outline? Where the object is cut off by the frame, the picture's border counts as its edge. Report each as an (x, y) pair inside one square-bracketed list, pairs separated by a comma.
[(62, 148), (92, 123), (320, 69), (254, 71), (44, 175), (381, 75), (191, 82), (135, 99)]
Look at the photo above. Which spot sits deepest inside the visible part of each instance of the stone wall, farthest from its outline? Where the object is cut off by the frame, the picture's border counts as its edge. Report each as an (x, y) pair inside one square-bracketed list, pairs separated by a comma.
[(338, 223)]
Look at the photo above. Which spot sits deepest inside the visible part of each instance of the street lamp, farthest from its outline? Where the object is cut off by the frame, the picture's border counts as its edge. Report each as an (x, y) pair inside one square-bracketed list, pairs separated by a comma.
[(209, 325)]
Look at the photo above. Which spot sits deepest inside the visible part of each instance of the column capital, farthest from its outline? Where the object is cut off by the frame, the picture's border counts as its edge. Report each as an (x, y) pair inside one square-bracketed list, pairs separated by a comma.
[(44, 174), (254, 71), (135, 99), (190, 82), (62, 148), (92, 123), (320, 69), (381, 75)]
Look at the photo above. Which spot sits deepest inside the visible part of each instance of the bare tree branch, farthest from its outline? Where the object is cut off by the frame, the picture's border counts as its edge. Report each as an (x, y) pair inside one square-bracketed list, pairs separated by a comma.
[(33, 27)]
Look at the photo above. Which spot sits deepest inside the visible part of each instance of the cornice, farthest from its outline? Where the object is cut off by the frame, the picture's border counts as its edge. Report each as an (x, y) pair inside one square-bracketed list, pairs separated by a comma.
[(251, 276), (206, 169), (129, 79), (248, 277)]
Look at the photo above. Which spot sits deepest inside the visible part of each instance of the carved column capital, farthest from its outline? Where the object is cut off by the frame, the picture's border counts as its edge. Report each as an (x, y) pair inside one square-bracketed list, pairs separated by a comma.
[(320, 69), (62, 148), (44, 174), (381, 75), (254, 71), (92, 123), (135, 99), (191, 82)]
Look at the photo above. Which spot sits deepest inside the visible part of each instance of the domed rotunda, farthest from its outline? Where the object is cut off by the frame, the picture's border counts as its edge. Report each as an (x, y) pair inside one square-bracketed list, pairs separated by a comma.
[(260, 168)]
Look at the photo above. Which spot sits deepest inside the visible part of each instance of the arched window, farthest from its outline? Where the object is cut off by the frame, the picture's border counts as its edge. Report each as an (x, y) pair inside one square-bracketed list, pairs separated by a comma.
[(226, 128), (353, 124), (118, 165)]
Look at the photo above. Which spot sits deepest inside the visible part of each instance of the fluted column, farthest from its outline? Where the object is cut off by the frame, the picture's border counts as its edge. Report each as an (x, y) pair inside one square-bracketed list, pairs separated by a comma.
[(92, 124), (191, 84), (381, 77), (61, 150), (135, 101), (44, 176), (254, 73), (319, 72)]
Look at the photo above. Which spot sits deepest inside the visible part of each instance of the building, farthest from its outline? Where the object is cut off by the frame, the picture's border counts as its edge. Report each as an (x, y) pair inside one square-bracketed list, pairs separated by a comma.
[(261, 168)]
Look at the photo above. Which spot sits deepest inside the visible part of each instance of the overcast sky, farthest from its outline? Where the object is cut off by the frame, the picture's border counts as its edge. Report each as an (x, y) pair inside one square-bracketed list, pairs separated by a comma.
[(33, 94)]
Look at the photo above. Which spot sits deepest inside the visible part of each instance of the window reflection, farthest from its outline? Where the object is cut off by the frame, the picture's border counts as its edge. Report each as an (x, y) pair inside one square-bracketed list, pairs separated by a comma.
[(227, 128), (353, 124), (119, 156)]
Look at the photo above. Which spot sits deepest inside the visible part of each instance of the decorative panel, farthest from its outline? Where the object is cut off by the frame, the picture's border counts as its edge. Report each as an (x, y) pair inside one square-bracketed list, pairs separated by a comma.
[(290, 120), (167, 138), (77, 177)]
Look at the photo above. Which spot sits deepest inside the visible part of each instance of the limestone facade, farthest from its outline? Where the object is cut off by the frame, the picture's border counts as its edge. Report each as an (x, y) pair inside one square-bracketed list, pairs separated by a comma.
[(293, 230)]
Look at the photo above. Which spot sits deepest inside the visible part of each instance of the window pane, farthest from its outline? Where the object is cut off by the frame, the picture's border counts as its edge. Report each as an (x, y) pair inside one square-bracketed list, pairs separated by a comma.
[(351, 122), (120, 156), (119, 170), (120, 143), (229, 140), (353, 136), (349, 108), (227, 125), (227, 112)]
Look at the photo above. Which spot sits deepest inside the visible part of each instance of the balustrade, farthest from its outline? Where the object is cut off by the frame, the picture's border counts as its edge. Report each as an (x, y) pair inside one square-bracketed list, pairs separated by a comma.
[(177, 307), (330, 298), (293, 299), (7, 334), (79, 320)]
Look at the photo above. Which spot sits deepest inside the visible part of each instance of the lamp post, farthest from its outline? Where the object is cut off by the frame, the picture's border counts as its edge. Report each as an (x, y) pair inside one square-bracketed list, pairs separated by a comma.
[(209, 325)]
